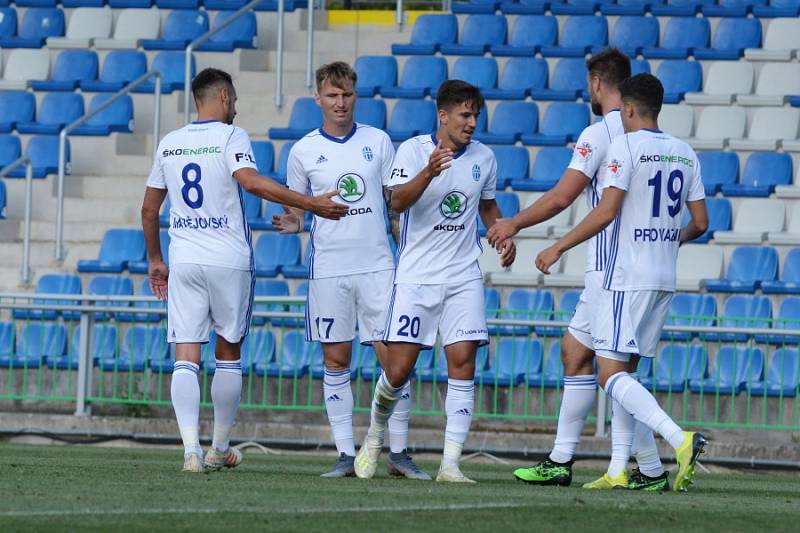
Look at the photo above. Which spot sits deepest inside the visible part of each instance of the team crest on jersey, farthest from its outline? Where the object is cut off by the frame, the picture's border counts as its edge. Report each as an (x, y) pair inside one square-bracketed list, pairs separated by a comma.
[(615, 166), (453, 204), (351, 187), (584, 150), (367, 153), (476, 172)]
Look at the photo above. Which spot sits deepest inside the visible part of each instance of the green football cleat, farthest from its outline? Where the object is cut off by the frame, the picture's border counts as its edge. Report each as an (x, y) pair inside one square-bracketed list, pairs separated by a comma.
[(686, 456), (546, 473), (608, 483), (639, 481)]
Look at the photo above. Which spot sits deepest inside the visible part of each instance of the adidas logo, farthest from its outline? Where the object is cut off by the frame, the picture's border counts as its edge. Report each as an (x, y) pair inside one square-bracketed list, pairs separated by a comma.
[(321, 159), (405, 396), (464, 412), (333, 398), (631, 344)]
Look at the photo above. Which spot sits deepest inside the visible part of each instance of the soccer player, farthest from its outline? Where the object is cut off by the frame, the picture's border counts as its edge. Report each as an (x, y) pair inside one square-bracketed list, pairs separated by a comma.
[(203, 167), (653, 177), (352, 266), (441, 183), (586, 172)]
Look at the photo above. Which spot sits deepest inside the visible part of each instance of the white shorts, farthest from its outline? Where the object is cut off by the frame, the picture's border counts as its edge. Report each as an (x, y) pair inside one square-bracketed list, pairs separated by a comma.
[(581, 324), (201, 296), (334, 304), (629, 322), (418, 312)]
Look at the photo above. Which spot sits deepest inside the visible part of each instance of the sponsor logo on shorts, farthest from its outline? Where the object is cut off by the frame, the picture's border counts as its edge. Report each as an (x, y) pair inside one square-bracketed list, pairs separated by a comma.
[(453, 204), (378, 332), (367, 153), (598, 341), (465, 332), (351, 187)]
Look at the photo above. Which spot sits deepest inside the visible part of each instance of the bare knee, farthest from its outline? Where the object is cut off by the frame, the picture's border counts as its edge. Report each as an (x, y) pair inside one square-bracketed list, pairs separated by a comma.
[(337, 355), (461, 360), (576, 357), (226, 350)]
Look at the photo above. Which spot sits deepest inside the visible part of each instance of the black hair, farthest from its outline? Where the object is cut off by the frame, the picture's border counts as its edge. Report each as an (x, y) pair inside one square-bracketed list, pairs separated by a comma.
[(456, 92), (646, 92), (611, 65), (337, 73), (207, 79)]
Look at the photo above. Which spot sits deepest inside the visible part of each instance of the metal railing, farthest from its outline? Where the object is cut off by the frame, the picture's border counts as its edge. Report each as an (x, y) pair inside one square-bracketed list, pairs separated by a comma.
[(62, 143), (25, 270)]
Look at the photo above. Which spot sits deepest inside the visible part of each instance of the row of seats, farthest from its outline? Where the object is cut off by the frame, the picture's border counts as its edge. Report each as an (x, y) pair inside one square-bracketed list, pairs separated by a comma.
[(267, 5), (42, 150), (58, 110)]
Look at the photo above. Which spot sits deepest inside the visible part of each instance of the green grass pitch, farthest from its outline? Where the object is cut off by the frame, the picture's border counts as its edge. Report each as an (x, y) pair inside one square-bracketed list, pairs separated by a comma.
[(80, 488)]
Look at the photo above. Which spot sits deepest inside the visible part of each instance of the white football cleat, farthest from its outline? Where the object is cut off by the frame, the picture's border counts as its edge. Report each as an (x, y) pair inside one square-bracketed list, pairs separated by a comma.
[(452, 474), (193, 463), (216, 460), (367, 458)]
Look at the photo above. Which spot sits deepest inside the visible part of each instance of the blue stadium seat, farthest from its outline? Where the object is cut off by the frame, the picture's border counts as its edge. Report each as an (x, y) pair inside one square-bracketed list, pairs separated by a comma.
[(742, 311), (372, 112), (491, 301), (512, 164), (140, 267), (719, 169), (140, 345), (432, 365), (240, 34), (788, 318), (478, 34), (120, 67), (55, 111), (8, 22), (680, 38), (283, 159), (679, 8), (43, 152), (747, 268), (731, 38), (778, 8), (515, 361), (731, 8), (688, 310), (676, 365), (783, 376), (269, 287), (53, 284), (37, 3), (478, 71), (574, 7), (130, 3), (118, 117), (104, 346), (301, 291), (306, 116), (232, 5), (252, 206), (16, 107), (8, 335), (762, 172), (410, 118), (272, 251), (421, 77), (2, 200), (178, 4), (264, 152), (160, 358), (525, 304), (429, 33), (10, 149), (553, 374), (119, 246), (639, 66), (789, 282), (110, 286), (510, 121), (678, 78), (179, 29), (734, 367), (719, 217), (292, 360), (144, 290), (633, 34), (508, 203), (171, 65), (567, 83), (645, 370), (72, 67), (550, 164), (579, 36), (38, 24), (628, 7), (524, 7), (521, 75), (473, 7), (529, 34), (563, 123), (300, 271), (38, 340), (375, 72), (258, 348)]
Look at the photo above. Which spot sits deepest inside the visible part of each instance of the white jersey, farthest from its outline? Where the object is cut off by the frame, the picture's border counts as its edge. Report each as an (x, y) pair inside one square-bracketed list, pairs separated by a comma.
[(439, 242), (207, 223), (590, 157), (660, 174), (358, 165)]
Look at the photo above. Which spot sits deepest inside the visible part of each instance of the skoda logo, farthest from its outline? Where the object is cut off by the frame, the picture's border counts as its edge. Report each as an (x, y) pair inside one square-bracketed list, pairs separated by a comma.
[(351, 187), (367, 153), (453, 204)]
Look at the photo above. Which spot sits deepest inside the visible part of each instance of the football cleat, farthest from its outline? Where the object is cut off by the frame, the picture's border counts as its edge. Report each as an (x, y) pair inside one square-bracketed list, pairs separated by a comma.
[(686, 456), (546, 473), (452, 474), (193, 463), (343, 467), (401, 465), (216, 460), (608, 483), (639, 481), (367, 458)]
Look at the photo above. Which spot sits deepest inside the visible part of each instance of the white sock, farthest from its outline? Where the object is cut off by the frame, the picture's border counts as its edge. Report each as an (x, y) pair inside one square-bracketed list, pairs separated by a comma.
[(398, 422), (339, 405), (622, 426), (185, 394), (383, 403), (576, 403), (644, 407), (645, 450), (226, 392), (458, 405)]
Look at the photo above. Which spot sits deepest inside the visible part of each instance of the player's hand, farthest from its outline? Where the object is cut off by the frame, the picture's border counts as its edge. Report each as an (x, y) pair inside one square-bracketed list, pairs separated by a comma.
[(502, 230), (508, 252), (440, 159), (288, 222), (158, 273), (547, 258), (324, 207)]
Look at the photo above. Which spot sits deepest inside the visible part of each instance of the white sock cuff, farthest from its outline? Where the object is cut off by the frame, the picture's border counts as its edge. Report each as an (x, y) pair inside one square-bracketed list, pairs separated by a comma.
[(619, 377), (384, 384), (186, 367), (336, 378), (462, 385), (233, 367), (585, 382)]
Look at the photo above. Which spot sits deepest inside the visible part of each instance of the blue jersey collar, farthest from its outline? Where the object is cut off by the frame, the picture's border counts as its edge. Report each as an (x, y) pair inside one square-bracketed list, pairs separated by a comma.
[(456, 155), (338, 140)]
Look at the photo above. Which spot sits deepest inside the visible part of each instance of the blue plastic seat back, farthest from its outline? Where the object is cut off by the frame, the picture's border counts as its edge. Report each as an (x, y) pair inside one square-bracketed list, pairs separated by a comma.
[(264, 152), (750, 264), (122, 245), (515, 117), (8, 334), (371, 111), (788, 313), (719, 168), (10, 148), (42, 339), (767, 169), (720, 214), (791, 266), (184, 25), (553, 367), (76, 65), (570, 74), (508, 202), (111, 286), (491, 298), (123, 66), (565, 118), (306, 114), (172, 67), (529, 304), (640, 66), (43, 151), (271, 287), (119, 114), (42, 22), (478, 71), (484, 30), (672, 364), (17, 106), (746, 311), (534, 30), (283, 160), (258, 348), (631, 33), (295, 352), (551, 162), (680, 76), (784, 368), (376, 71), (413, 115), (692, 310), (252, 205), (274, 249), (242, 29), (737, 33), (524, 73), (584, 30), (104, 342), (568, 303), (512, 162), (60, 108), (8, 22), (518, 355), (686, 32), (435, 29), (58, 284), (424, 71)]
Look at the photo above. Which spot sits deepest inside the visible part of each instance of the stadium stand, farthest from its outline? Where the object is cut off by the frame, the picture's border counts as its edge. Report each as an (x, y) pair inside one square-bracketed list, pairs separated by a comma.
[(132, 27), (119, 247), (676, 365), (690, 310), (85, 25), (179, 29), (37, 341), (734, 367), (24, 65), (521, 76), (477, 35), (528, 35), (38, 24), (429, 34), (72, 67)]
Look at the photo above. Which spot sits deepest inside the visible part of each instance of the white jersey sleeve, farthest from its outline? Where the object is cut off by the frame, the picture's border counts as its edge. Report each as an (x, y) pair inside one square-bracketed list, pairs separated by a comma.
[(239, 151), (620, 164), (157, 180), (387, 160), (589, 152), (489, 191), (697, 190), (296, 177), (408, 162)]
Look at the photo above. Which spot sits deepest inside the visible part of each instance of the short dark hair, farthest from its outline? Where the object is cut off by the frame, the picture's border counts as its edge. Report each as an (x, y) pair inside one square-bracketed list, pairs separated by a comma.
[(207, 79), (337, 73), (456, 92), (611, 65), (646, 93)]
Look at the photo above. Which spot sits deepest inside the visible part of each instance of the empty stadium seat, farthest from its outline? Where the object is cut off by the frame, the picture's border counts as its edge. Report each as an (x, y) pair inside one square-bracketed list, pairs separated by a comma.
[(747, 268), (525, 304), (372, 112), (8, 21), (788, 317), (754, 219), (697, 262), (718, 168), (679, 39), (478, 34), (85, 25), (132, 27), (144, 290), (179, 29), (428, 34), (768, 128), (762, 172), (118, 117), (529, 34), (478, 71), (120, 67), (258, 348), (240, 34), (678, 78), (269, 287), (742, 311), (516, 360), (512, 164), (110, 286), (521, 75), (22, 66), (283, 158), (104, 345), (568, 82), (172, 67), (292, 360), (550, 164), (10, 149), (72, 67), (553, 373), (675, 365), (719, 218), (562, 123), (140, 267), (300, 271), (775, 82), (689, 310), (523, 7), (373, 73), (15, 107), (178, 4), (143, 345), (510, 121), (3, 201), (677, 120), (633, 34), (272, 251), (43, 153), (55, 111), (791, 235), (725, 80), (789, 282), (781, 42), (475, 7), (731, 37), (579, 35), (410, 118), (38, 24), (119, 246), (306, 116), (716, 125), (421, 76), (783, 376), (37, 341), (734, 367), (53, 284)]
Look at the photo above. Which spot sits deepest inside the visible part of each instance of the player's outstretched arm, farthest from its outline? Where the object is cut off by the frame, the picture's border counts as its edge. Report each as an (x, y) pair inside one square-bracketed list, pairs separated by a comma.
[(699, 223), (156, 269), (490, 214), (597, 219), (394, 218), (407, 194), (554, 201), (321, 205)]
